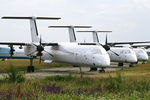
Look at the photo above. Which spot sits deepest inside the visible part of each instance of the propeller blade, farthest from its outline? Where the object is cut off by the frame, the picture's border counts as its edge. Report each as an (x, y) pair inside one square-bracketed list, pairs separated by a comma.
[(35, 45), (114, 53), (32, 53), (106, 42), (49, 53), (40, 40)]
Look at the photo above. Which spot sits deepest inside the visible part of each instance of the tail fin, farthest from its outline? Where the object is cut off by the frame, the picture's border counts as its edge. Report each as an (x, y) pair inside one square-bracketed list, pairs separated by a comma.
[(71, 30), (95, 36), (34, 30), (33, 26)]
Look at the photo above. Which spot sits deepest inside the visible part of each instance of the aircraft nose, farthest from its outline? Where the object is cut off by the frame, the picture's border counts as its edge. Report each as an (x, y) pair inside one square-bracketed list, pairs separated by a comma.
[(133, 59), (145, 57), (106, 61)]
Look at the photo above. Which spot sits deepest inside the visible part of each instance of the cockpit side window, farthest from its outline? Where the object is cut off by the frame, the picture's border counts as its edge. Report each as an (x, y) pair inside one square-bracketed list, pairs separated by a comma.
[(126, 52), (96, 51)]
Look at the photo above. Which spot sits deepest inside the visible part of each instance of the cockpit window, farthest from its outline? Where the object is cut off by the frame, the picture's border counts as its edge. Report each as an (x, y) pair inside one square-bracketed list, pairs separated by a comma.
[(140, 51), (126, 52), (96, 51)]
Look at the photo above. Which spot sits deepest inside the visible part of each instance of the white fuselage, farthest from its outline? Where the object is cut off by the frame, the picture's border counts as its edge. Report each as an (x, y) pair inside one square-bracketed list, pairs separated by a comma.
[(126, 55), (72, 53), (140, 54)]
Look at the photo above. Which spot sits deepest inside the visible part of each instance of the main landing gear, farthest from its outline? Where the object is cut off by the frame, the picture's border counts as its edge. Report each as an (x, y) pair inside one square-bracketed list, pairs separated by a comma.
[(93, 69), (131, 64), (120, 64), (144, 62), (30, 68), (102, 70)]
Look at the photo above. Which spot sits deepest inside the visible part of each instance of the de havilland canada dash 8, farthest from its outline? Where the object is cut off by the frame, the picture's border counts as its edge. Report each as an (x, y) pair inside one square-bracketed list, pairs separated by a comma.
[(72, 53), (117, 54), (141, 54)]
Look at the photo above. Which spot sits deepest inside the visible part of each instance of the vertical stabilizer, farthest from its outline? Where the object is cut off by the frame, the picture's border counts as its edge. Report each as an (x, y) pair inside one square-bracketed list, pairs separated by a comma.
[(34, 30), (95, 36), (33, 25), (71, 31)]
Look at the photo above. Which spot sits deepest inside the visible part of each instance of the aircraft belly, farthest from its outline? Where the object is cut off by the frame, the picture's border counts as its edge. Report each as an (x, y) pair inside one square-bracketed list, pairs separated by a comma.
[(76, 59), (115, 58), (65, 58)]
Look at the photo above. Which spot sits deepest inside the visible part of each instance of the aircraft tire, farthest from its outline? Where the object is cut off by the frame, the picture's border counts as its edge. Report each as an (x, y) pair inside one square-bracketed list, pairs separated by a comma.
[(32, 68), (102, 70), (28, 69), (93, 69)]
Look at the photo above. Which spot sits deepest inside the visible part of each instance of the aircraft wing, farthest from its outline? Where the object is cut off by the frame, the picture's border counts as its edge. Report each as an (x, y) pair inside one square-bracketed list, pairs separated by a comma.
[(87, 43), (145, 46), (131, 43), (50, 44), (11, 43), (24, 44)]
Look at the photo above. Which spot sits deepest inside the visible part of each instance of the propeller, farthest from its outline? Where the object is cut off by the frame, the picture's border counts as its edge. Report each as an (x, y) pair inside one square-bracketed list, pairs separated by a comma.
[(39, 49), (107, 47)]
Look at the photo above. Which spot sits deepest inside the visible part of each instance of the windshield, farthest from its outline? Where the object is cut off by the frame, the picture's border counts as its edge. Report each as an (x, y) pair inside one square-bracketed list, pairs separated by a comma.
[(99, 50), (126, 52), (96, 51)]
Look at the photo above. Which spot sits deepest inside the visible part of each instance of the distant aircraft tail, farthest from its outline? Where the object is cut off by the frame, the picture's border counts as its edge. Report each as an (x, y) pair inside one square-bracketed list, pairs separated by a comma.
[(71, 31), (95, 36)]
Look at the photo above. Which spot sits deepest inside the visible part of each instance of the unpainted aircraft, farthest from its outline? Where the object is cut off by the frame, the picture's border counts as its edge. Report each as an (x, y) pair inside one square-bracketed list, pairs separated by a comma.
[(140, 52), (72, 53), (117, 54)]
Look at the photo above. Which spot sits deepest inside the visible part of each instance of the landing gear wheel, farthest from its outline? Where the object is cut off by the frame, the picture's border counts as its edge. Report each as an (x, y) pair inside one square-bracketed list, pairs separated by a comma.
[(93, 69), (143, 62), (30, 69), (102, 70), (131, 65), (120, 64)]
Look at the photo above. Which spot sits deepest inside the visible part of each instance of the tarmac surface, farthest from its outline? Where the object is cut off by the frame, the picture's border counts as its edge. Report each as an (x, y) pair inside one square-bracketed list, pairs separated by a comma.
[(71, 70), (75, 71)]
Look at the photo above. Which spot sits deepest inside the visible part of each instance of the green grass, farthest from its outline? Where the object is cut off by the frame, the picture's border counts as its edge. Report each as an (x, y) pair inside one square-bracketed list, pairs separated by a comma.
[(129, 84), (22, 64)]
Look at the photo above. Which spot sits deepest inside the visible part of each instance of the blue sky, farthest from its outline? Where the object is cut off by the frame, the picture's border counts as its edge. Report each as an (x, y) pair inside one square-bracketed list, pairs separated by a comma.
[(128, 19)]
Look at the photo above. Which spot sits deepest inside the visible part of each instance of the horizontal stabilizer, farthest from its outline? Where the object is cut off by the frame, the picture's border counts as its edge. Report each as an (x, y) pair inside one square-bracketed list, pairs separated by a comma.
[(70, 30), (69, 26), (43, 18), (24, 44), (94, 31)]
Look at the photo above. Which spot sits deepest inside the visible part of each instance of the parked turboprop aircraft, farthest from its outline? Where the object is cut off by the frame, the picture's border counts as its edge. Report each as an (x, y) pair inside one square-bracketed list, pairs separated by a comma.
[(117, 54), (140, 52), (17, 54), (72, 53)]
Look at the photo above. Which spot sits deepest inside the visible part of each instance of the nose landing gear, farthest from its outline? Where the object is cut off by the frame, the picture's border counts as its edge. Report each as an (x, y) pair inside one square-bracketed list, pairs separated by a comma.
[(30, 68)]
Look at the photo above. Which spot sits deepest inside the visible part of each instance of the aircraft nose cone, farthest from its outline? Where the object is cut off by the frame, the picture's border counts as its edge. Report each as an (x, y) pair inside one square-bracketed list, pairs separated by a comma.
[(106, 61), (145, 57), (133, 59)]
